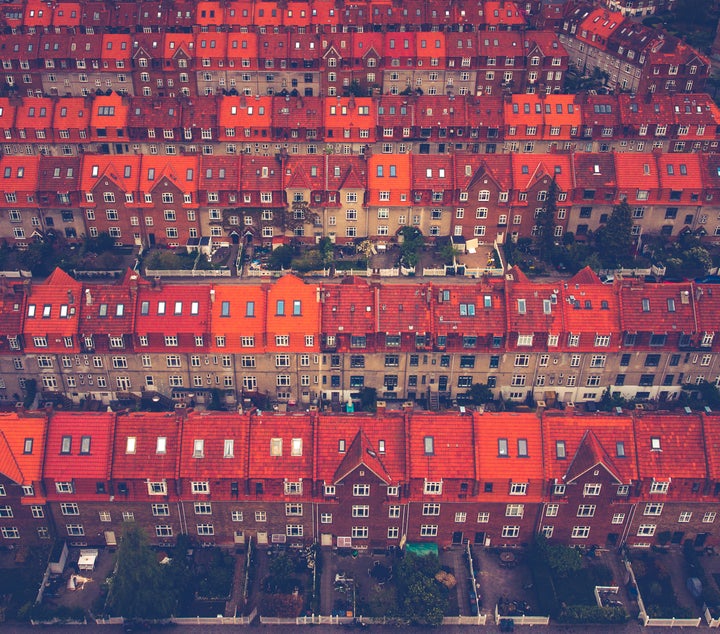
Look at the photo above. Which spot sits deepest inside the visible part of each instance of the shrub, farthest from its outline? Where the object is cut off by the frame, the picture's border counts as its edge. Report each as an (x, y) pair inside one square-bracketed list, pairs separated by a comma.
[(592, 614)]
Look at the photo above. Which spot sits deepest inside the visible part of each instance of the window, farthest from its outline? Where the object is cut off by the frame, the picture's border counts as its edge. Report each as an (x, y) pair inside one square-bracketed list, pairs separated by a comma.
[(510, 531), (293, 488), (709, 517), (205, 529), (360, 510), (60, 487), (518, 488), (659, 487), (580, 532), (653, 508), (586, 510), (202, 487), (160, 510), (428, 530), (202, 508), (73, 530), (646, 530), (515, 510), (551, 510), (432, 488)]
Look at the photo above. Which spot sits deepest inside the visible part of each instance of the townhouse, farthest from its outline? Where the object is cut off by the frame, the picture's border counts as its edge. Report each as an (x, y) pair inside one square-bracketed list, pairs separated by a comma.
[(292, 342), (358, 480)]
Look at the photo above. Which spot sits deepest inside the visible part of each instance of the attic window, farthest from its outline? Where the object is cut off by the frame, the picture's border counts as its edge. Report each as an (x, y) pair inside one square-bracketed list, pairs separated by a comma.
[(178, 308), (31, 310), (66, 444), (161, 445), (228, 448), (646, 305), (46, 311), (429, 445), (161, 308), (198, 448), (28, 446), (341, 446), (655, 443), (560, 453), (487, 301), (103, 310), (522, 308), (671, 305), (119, 310), (604, 305), (130, 444), (381, 446), (296, 447), (620, 449), (522, 448), (503, 447), (85, 445), (276, 446), (145, 308)]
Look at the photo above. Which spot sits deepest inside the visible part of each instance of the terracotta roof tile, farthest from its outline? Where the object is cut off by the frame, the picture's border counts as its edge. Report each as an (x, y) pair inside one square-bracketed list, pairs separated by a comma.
[(75, 464), (22, 442), (147, 460), (266, 427)]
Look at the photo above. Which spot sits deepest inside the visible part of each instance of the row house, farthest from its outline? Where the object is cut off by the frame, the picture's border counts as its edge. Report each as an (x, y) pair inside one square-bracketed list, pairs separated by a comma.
[(175, 200), (358, 480), (635, 58), (237, 123), (24, 511), (291, 341)]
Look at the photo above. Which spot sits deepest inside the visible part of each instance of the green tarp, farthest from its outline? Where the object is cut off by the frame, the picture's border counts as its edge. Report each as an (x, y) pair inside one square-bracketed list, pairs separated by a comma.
[(421, 549)]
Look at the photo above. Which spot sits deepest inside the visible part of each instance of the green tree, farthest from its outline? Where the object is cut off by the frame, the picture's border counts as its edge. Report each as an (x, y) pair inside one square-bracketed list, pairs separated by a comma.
[(424, 599), (412, 242), (448, 253), (545, 221), (139, 589), (325, 246), (281, 258), (614, 240), (563, 560), (479, 393)]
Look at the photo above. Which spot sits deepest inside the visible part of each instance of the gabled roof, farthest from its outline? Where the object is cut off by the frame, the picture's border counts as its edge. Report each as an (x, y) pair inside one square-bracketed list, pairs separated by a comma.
[(680, 442), (349, 307), (404, 308), (146, 459), (123, 171), (340, 435), (270, 459), (594, 170), (452, 313), (590, 454), (218, 458), (22, 447), (530, 306), (513, 467), (72, 114), (586, 441), (361, 453), (53, 308), (657, 308), (109, 309), (75, 464), (237, 311), (450, 454)]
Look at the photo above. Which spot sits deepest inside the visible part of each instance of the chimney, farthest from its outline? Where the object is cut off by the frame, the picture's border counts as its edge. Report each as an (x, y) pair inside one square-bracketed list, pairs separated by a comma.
[(380, 407)]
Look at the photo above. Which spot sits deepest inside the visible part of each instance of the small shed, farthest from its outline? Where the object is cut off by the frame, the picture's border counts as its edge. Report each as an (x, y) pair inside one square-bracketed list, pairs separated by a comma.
[(58, 557), (87, 559)]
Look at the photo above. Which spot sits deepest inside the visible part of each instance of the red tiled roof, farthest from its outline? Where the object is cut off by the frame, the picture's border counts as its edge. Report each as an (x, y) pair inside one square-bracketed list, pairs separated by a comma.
[(646, 308), (94, 465), (22, 466), (682, 447), (382, 434), (52, 311), (587, 441), (453, 315), (267, 426), (404, 308), (502, 469), (214, 428), (453, 444), (233, 318), (146, 461), (109, 309)]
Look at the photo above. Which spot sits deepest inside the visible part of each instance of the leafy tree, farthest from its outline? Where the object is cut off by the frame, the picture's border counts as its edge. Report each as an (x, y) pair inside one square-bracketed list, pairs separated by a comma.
[(325, 247), (423, 598), (614, 239), (479, 393), (412, 242), (448, 253), (368, 399), (545, 238), (563, 560), (103, 242), (139, 589), (281, 258)]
